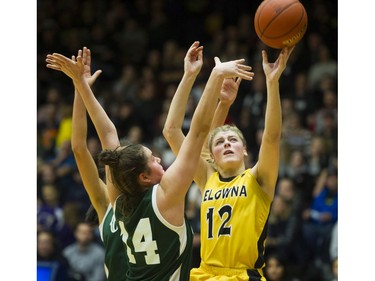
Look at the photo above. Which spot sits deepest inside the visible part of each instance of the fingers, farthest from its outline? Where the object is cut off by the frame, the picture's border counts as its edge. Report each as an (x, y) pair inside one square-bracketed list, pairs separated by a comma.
[(240, 61), (80, 60), (245, 75), (244, 66), (233, 69), (51, 62), (264, 56), (238, 81), (196, 52), (284, 55), (84, 55), (54, 67), (195, 49), (199, 49), (289, 51), (96, 74), (195, 44), (58, 60), (200, 53), (86, 58)]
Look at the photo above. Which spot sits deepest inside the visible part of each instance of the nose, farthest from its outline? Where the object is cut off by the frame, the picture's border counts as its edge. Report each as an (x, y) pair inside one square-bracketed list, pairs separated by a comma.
[(226, 143)]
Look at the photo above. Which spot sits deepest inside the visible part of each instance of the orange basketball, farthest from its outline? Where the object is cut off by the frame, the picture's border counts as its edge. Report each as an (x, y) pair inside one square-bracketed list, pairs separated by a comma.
[(280, 23)]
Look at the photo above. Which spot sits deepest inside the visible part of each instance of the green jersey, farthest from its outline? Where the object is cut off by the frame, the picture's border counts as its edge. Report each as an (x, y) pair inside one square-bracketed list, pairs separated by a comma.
[(115, 260), (156, 249)]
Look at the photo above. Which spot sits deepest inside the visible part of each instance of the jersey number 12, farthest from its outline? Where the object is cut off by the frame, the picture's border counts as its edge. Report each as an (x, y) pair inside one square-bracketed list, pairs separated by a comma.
[(225, 213)]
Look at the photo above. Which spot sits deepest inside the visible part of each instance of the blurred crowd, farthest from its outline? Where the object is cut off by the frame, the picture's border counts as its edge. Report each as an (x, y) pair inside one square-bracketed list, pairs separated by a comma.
[(140, 46)]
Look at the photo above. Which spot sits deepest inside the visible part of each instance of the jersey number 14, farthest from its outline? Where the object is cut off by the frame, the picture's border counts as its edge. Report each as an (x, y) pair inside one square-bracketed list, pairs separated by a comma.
[(142, 242)]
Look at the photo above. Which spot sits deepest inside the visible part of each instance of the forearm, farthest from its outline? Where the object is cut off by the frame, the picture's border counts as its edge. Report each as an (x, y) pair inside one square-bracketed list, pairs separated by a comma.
[(273, 116), (221, 113), (204, 112), (177, 108), (79, 124), (104, 126)]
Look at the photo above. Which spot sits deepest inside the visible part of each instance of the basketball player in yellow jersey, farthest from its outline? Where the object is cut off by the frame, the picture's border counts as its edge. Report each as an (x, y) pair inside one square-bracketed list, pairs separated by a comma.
[(236, 201)]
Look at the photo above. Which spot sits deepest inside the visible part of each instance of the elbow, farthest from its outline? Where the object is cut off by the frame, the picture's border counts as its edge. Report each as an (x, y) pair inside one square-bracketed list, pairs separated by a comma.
[(78, 147), (203, 130), (166, 132), (169, 132)]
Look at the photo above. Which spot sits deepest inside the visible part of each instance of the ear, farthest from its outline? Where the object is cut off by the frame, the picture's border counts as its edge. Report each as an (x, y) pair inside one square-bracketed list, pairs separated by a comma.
[(143, 178), (212, 158), (245, 151)]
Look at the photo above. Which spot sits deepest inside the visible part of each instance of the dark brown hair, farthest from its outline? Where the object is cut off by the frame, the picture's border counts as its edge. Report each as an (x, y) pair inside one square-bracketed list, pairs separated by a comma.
[(125, 164)]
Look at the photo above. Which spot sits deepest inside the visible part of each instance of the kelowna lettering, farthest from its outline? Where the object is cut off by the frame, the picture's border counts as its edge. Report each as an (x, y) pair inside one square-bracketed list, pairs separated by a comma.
[(234, 191)]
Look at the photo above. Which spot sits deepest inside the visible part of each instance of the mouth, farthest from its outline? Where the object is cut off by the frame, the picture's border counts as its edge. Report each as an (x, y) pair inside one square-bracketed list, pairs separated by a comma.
[(227, 152)]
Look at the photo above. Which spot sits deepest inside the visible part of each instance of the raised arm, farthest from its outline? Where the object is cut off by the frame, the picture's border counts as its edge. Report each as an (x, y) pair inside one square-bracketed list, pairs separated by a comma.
[(95, 187), (104, 126), (228, 94), (172, 130), (75, 70), (266, 169), (177, 179)]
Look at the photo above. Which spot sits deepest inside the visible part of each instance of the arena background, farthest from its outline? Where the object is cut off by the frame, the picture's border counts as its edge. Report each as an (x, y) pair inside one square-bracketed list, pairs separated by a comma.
[(46, 19), (140, 46)]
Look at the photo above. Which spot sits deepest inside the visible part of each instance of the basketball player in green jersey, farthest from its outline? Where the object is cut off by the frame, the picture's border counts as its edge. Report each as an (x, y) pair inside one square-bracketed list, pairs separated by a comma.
[(150, 202), (116, 260), (235, 201)]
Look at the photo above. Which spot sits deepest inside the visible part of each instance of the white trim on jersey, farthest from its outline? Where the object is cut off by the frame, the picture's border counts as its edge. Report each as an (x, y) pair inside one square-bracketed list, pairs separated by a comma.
[(103, 220), (180, 230)]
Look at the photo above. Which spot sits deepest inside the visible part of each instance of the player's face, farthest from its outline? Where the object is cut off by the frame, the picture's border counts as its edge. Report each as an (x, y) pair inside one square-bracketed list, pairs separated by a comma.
[(227, 147), (156, 169)]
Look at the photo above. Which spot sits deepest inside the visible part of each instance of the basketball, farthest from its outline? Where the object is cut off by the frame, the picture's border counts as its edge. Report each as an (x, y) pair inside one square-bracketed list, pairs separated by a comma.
[(280, 23)]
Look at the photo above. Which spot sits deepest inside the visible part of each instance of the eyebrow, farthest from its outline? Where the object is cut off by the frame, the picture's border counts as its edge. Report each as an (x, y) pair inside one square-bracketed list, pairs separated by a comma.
[(229, 136)]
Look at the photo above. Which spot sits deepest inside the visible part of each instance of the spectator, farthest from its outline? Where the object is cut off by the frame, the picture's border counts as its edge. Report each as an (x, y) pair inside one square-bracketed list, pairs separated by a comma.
[(85, 256), (49, 250), (297, 171), (283, 228), (325, 65), (317, 156), (287, 190), (277, 269), (321, 216), (109, 18), (50, 215)]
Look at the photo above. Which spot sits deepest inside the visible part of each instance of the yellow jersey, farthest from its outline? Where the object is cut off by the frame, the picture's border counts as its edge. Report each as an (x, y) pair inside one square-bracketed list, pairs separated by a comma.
[(234, 214)]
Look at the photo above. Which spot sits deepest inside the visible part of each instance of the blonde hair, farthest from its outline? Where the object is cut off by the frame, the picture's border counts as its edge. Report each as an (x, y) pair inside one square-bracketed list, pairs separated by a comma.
[(225, 128)]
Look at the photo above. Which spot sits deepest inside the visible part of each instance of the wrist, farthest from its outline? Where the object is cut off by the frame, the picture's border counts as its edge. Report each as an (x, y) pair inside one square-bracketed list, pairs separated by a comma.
[(190, 75), (223, 103)]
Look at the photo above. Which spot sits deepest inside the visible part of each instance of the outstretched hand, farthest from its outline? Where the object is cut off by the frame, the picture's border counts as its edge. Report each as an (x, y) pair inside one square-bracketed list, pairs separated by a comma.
[(86, 59), (75, 69), (229, 90), (274, 70), (233, 69), (193, 60)]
